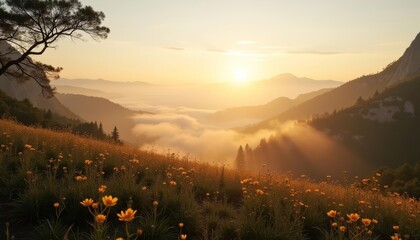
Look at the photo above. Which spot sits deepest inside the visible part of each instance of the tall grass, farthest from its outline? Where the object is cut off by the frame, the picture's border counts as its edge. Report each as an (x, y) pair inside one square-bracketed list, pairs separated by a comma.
[(45, 175)]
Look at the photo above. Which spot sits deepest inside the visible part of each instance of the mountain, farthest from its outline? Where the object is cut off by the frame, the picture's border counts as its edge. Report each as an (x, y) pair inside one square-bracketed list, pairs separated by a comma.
[(29, 89), (265, 111), (81, 91), (102, 110), (381, 131), (210, 96), (406, 67)]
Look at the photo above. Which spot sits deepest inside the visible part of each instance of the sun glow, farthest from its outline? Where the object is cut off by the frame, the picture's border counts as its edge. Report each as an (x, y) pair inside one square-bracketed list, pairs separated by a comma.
[(240, 75)]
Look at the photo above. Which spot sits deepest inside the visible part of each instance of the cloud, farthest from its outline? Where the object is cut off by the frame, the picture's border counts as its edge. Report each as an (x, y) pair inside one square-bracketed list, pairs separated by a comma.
[(215, 50), (316, 52), (175, 48), (184, 134)]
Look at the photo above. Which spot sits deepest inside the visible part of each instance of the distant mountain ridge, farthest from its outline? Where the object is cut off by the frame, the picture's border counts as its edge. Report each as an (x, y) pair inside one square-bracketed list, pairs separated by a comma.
[(406, 67), (265, 111), (210, 96)]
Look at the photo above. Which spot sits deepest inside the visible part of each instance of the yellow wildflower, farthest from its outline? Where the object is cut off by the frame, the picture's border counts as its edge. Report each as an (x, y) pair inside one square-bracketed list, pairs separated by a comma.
[(332, 213), (259, 192), (100, 218), (366, 221), (109, 201), (126, 216), (87, 202), (353, 217)]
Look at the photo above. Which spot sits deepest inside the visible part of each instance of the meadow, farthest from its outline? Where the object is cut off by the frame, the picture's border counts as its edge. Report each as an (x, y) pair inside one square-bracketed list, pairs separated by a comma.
[(55, 185)]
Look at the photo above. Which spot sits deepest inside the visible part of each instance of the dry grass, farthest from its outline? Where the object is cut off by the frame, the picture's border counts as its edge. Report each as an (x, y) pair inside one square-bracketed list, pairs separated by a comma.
[(45, 177)]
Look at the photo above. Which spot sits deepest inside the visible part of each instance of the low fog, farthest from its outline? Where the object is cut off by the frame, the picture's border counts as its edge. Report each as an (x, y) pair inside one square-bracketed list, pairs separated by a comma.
[(181, 131)]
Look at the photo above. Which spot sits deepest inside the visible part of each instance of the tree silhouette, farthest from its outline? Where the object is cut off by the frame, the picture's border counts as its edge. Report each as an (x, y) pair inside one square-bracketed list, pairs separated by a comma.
[(115, 135), (240, 158), (30, 27)]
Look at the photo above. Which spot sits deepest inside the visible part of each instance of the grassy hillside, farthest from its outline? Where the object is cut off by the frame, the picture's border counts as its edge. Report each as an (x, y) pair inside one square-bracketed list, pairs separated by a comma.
[(46, 177)]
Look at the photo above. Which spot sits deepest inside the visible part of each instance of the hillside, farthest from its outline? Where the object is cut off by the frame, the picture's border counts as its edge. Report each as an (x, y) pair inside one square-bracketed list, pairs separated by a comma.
[(59, 186), (406, 67), (29, 89), (265, 111), (96, 109), (381, 131)]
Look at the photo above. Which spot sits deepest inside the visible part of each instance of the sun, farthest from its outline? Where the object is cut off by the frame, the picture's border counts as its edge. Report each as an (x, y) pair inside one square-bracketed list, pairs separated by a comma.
[(240, 75)]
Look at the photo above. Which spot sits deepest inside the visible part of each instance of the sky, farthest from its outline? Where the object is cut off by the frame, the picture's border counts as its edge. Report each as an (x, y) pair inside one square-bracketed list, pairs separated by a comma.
[(200, 41)]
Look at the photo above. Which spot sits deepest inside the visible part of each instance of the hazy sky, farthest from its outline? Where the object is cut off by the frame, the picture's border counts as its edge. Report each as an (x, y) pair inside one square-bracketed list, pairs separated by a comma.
[(195, 41)]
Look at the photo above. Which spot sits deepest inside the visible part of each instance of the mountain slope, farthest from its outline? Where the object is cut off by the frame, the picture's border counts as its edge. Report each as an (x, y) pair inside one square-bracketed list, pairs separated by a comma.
[(29, 89), (265, 111), (102, 110), (381, 131), (346, 95)]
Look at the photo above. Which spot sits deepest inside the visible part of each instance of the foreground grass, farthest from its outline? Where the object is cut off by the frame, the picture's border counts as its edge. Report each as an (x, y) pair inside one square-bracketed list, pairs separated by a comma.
[(59, 186)]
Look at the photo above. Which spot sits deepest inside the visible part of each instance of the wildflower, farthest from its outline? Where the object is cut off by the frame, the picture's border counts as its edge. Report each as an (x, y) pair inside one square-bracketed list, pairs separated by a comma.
[(144, 188), (109, 201), (378, 174), (120, 238), (353, 217), (181, 225), (88, 162), (80, 178), (126, 216), (87, 202), (95, 205), (259, 192), (366, 221), (100, 218), (395, 237), (172, 183), (332, 213), (342, 228), (139, 232), (396, 227), (369, 232), (56, 204), (183, 236), (374, 221), (155, 203), (102, 189), (334, 224)]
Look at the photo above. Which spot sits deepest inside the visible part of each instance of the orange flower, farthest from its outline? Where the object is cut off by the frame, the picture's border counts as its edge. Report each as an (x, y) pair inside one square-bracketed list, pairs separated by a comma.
[(396, 227), (183, 236), (87, 202), (95, 205), (259, 192), (126, 216), (353, 217), (366, 221), (334, 224), (395, 237), (56, 205), (109, 201), (342, 228), (100, 218), (155, 203), (374, 221), (332, 213), (181, 225)]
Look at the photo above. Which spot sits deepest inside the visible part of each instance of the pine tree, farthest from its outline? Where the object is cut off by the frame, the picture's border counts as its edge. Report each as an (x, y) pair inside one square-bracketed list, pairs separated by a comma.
[(115, 135), (240, 158)]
